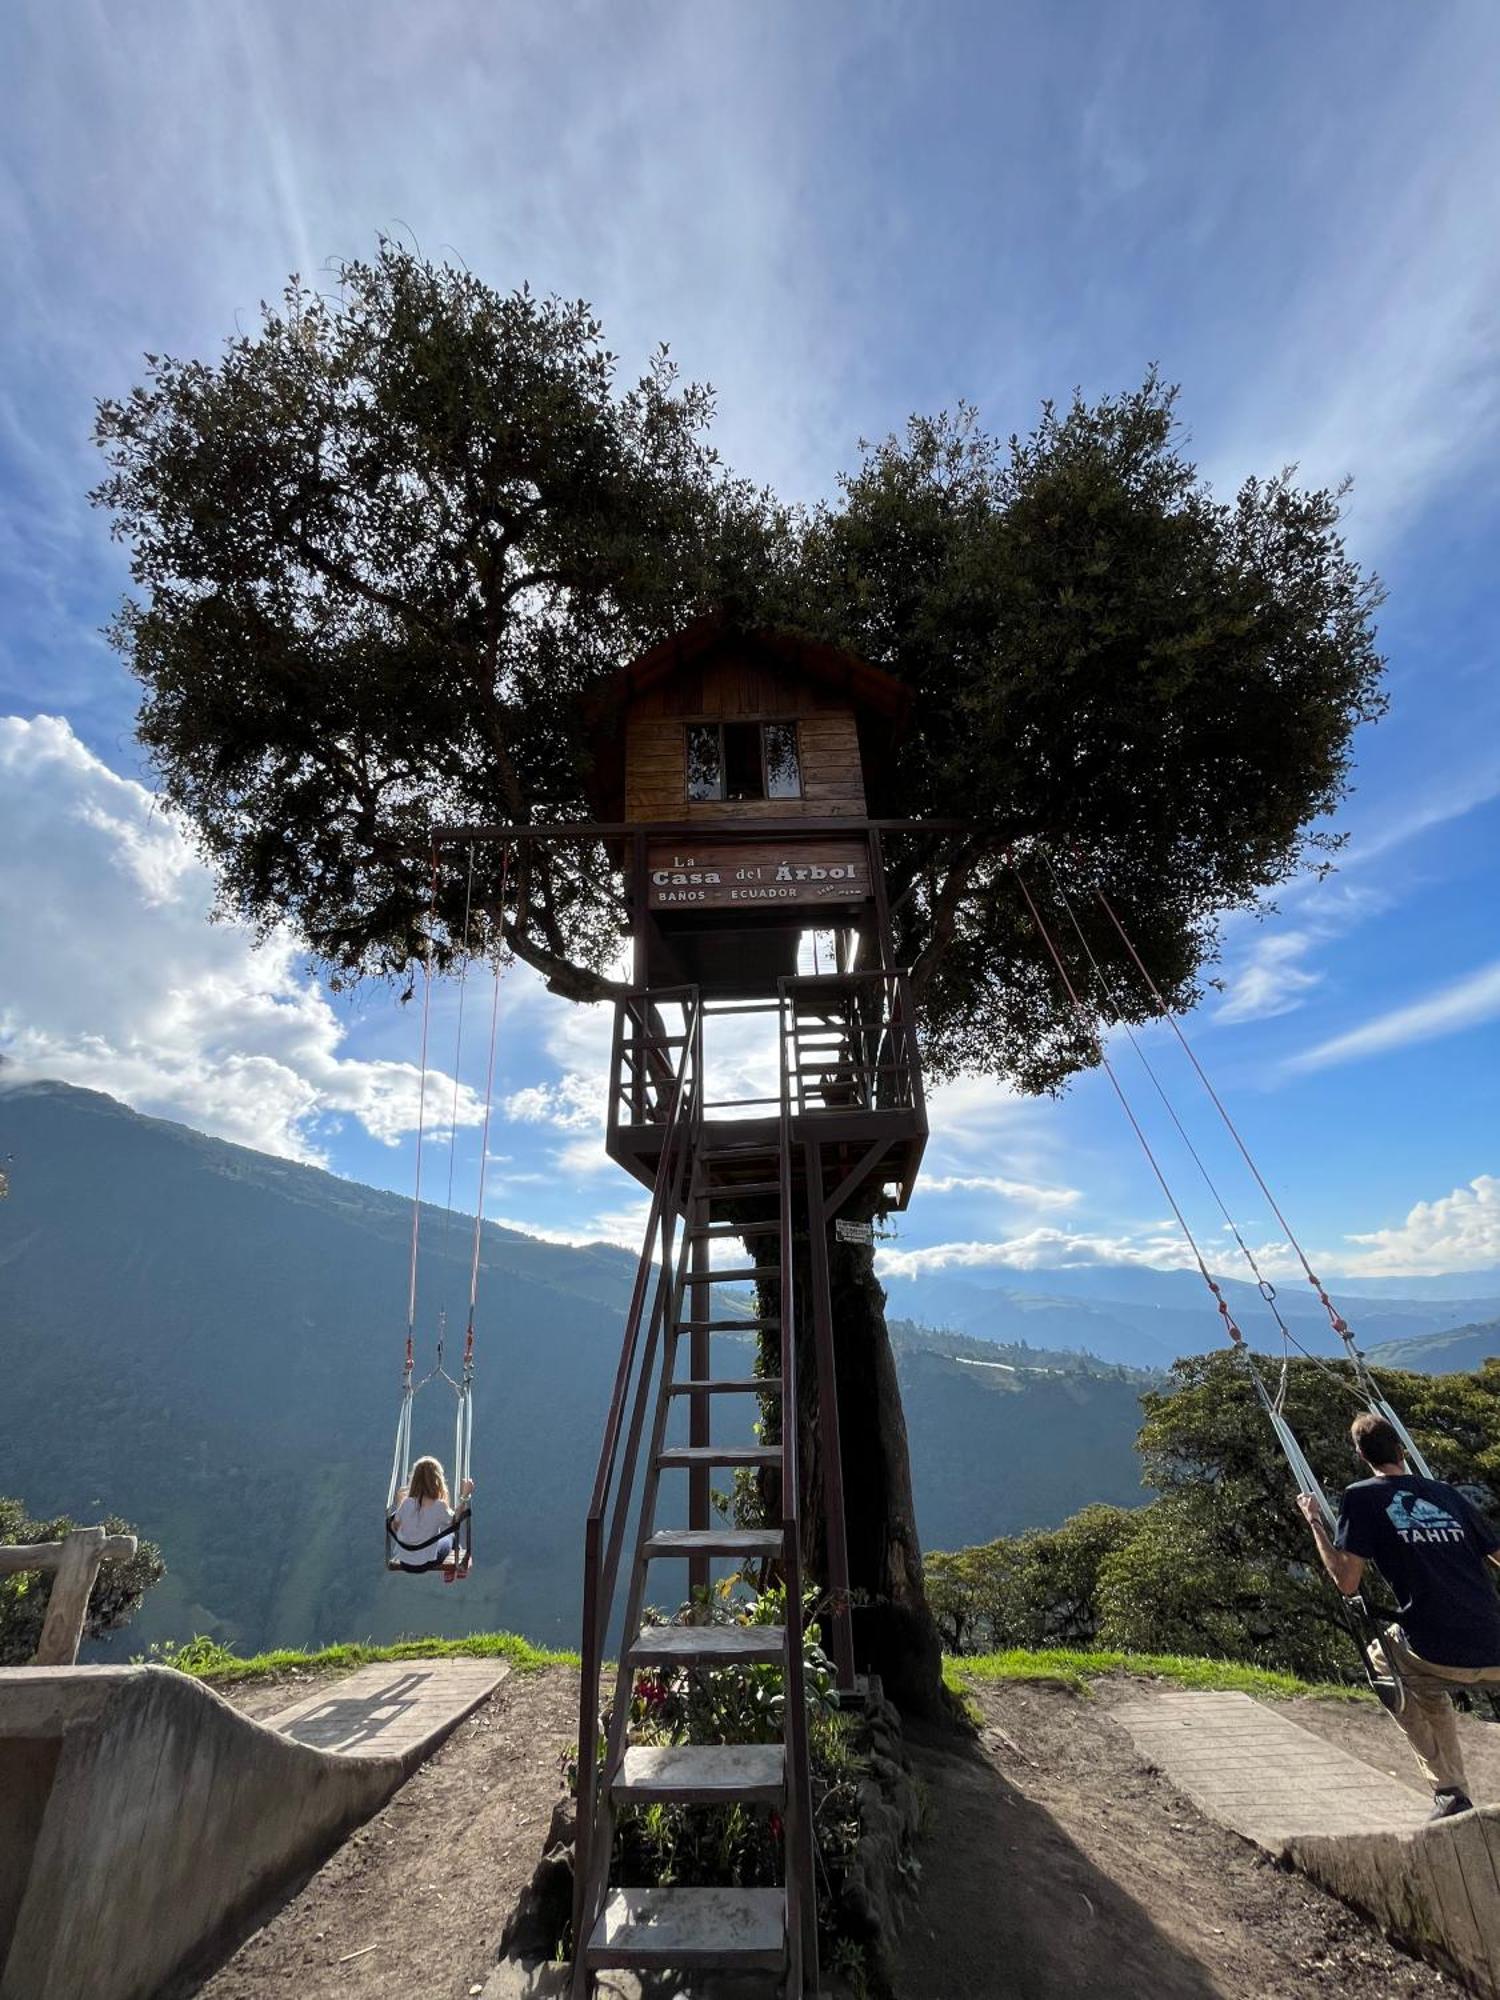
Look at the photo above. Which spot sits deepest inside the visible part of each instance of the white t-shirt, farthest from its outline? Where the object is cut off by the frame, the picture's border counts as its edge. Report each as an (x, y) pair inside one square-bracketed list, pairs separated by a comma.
[(416, 1521)]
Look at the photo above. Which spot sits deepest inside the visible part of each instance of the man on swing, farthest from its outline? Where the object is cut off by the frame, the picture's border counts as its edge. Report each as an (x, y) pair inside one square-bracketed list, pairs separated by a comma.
[(1434, 1549)]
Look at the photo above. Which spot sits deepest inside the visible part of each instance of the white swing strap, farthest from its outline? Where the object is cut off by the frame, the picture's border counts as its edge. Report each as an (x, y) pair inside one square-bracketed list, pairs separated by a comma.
[(401, 1456)]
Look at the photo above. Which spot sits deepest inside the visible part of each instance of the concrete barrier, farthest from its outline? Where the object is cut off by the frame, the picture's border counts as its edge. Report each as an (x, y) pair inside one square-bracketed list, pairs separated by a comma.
[(144, 1822), (1437, 1890)]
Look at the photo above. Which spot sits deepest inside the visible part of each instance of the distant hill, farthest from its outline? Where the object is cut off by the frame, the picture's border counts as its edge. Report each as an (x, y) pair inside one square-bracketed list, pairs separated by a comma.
[(209, 1340), (1146, 1318), (1458, 1351)]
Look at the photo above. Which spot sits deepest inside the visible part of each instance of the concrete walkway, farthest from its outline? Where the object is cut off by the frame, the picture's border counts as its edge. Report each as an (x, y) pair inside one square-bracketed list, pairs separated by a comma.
[(1261, 1775), (1435, 1888), (401, 1710)]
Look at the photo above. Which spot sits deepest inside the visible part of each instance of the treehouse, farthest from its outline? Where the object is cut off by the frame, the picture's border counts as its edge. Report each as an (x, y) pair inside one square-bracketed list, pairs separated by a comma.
[(744, 765)]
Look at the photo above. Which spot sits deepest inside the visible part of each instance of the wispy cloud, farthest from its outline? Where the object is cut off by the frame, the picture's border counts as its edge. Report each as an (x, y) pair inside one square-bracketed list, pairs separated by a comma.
[(1466, 1003), (1270, 980), (1032, 1193)]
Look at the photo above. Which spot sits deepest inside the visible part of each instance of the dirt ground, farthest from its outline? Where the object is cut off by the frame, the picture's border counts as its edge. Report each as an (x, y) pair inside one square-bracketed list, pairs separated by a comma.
[(1056, 1866), (412, 1906)]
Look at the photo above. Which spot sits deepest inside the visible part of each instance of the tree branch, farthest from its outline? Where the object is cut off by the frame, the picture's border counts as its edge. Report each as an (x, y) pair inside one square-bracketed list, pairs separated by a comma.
[(571, 982)]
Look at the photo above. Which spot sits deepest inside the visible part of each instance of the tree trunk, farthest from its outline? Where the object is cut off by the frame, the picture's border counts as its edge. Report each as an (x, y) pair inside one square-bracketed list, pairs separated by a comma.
[(895, 1635)]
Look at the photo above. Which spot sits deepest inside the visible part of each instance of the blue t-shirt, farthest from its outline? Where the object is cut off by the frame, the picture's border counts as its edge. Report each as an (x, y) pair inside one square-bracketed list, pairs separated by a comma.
[(1430, 1545)]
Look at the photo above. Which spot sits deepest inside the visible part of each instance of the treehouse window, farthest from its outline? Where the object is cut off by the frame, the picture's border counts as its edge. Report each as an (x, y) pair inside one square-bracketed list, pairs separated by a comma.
[(743, 760)]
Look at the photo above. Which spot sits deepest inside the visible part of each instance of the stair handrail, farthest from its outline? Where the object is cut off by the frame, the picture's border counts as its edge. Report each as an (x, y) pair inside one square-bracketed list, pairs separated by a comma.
[(601, 1554), (801, 1890)]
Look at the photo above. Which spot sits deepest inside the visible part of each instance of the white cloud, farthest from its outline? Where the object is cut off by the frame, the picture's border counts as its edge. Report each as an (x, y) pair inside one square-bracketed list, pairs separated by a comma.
[(1466, 1003), (1271, 977), (1029, 1192), (116, 979), (1459, 1232), (621, 1228), (1041, 1249), (1270, 980)]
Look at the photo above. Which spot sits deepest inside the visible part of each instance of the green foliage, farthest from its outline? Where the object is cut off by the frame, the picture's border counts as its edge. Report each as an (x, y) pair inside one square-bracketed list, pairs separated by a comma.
[(207, 1660), (389, 542), (113, 1602), (384, 544), (1221, 1564), (1075, 1669), (1034, 1589)]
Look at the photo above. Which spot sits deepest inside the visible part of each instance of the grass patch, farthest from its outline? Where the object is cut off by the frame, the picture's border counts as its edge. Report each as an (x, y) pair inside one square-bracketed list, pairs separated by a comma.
[(1076, 1669), (206, 1660)]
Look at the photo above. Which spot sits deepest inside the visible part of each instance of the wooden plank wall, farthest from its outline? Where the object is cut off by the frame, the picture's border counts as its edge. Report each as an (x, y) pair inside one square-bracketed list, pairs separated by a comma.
[(730, 690)]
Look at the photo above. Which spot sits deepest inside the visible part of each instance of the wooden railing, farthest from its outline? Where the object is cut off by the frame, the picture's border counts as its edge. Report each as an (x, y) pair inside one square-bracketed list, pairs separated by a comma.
[(73, 1564), (801, 1879), (658, 1281), (850, 1043)]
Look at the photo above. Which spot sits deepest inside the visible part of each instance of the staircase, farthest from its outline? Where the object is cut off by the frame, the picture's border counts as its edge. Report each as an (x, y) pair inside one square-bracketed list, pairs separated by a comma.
[(712, 1186)]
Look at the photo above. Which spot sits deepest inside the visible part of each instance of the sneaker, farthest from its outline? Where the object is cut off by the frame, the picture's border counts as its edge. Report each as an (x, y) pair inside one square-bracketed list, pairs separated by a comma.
[(1450, 1802)]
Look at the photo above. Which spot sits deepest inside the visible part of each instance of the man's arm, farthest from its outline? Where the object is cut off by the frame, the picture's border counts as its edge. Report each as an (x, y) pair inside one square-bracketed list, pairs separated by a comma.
[(1345, 1569)]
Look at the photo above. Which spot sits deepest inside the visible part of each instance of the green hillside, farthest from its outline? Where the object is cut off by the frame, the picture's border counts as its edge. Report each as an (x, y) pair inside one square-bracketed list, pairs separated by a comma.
[(208, 1340), (1456, 1351)]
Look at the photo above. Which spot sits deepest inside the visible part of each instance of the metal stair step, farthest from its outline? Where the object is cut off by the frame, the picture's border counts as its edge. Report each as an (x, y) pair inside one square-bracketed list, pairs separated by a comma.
[(702, 1774), (713, 1542), (728, 1325), (735, 1190), (738, 1275), (709, 1645), (721, 1454), (686, 1928), (760, 1385), (726, 1232)]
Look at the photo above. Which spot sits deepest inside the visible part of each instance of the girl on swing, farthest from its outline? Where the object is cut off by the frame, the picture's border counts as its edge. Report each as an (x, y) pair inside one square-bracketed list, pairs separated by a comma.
[(424, 1523)]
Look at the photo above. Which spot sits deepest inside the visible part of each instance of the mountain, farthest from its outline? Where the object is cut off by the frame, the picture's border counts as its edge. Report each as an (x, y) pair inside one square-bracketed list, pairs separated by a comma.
[(1458, 1351), (1146, 1318), (209, 1341)]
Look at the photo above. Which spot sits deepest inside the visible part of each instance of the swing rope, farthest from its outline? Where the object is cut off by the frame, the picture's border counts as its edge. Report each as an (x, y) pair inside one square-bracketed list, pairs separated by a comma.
[(458, 1056), (463, 1436), (1263, 1285), (401, 1457), (1372, 1396), (1365, 1630)]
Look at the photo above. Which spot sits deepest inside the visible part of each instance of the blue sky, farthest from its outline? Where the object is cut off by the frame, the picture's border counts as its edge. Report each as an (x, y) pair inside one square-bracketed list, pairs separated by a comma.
[(837, 215)]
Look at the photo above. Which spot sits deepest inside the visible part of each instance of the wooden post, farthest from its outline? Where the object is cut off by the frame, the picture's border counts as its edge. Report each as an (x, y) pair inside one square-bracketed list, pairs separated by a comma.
[(700, 1367), (74, 1564), (837, 1579)]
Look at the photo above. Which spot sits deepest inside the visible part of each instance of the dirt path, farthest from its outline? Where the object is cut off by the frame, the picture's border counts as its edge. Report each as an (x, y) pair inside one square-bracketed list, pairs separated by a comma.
[(1059, 1868), (1368, 1732), (413, 1904)]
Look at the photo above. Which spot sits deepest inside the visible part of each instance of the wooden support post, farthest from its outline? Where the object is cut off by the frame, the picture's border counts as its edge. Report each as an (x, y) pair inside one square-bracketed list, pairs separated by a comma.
[(830, 1447), (74, 1564), (700, 1367)]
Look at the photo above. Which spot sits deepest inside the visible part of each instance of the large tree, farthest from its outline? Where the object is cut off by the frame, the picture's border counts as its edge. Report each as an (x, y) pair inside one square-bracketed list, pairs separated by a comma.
[(386, 544)]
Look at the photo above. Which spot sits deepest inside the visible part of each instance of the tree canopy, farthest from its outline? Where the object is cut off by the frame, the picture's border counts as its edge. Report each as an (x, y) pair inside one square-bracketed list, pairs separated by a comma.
[(386, 544), (1220, 1563)]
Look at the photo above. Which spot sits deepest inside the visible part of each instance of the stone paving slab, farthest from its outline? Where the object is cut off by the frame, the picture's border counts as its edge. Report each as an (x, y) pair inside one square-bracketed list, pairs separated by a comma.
[(403, 1709), (1262, 1775)]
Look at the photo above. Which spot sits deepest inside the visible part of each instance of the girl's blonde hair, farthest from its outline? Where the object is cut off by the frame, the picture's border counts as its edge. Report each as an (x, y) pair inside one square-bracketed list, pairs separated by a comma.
[(427, 1481)]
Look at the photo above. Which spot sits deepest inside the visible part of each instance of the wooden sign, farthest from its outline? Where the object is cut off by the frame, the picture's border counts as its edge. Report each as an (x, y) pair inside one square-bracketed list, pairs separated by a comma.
[(720, 874)]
